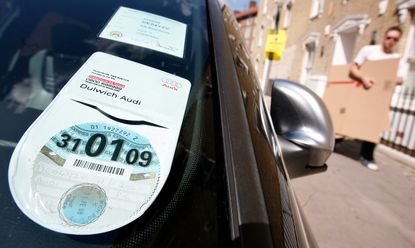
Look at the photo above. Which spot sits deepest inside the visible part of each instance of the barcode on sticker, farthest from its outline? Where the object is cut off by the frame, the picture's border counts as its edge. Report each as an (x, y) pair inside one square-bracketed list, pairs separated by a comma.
[(98, 167)]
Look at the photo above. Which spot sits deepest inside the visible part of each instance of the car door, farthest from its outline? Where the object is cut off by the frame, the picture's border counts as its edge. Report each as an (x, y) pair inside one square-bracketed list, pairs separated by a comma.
[(281, 221)]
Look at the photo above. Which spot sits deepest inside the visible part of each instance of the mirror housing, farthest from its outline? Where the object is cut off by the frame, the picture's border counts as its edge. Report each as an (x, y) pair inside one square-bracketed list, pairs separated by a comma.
[(304, 127)]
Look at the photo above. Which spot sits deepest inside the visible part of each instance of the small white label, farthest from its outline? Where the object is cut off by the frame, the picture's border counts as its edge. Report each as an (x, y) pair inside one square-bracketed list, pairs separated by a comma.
[(146, 30)]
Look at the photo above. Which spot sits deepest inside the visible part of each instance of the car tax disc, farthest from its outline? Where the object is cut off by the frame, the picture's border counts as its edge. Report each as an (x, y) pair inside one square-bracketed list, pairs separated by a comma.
[(99, 155), (93, 168)]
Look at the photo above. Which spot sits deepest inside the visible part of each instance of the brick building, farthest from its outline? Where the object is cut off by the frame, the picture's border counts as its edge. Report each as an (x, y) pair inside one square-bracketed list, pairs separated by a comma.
[(247, 22), (322, 33), (266, 19)]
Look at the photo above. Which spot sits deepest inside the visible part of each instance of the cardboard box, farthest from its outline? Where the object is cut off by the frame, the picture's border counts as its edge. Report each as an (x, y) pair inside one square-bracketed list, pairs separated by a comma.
[(358, 112)]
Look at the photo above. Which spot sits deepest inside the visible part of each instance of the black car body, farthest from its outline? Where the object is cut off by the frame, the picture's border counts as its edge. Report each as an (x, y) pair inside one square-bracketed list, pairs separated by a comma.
[(229, 184)]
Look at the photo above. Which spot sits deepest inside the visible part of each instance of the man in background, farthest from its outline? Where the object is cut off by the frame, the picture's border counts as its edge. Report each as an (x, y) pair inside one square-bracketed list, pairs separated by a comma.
[(371, 53)]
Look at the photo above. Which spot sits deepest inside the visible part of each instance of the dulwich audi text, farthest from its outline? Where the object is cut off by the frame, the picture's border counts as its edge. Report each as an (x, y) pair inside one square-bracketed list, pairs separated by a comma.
[(109, 93)]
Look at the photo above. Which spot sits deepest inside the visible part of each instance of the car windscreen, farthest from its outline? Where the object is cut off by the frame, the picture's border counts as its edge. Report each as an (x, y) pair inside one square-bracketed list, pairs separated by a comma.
[(43, 43)]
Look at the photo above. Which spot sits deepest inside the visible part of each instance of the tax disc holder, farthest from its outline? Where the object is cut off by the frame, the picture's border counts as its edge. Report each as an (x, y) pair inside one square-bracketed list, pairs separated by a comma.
[(99, 154)]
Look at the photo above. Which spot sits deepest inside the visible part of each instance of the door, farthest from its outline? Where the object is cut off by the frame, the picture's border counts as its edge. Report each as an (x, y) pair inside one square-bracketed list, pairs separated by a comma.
[(343, 51)]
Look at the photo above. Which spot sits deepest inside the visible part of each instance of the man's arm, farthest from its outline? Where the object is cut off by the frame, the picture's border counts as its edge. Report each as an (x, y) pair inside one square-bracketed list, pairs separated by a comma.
[(357, 75)]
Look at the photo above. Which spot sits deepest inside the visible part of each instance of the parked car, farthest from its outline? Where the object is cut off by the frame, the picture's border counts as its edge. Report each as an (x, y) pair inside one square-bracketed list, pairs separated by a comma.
[(229, 182)]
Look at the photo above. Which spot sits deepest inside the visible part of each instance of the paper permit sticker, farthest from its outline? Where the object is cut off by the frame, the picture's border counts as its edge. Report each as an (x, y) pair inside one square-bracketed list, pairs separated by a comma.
[(147, 30), (99, 154)]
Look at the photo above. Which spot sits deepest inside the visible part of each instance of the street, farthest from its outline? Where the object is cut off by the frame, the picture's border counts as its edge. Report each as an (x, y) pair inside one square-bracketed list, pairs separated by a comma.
[(352, 206)]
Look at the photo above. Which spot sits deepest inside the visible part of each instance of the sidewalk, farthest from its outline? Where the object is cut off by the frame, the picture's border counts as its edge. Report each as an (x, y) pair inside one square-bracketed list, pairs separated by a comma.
[(352, 206)]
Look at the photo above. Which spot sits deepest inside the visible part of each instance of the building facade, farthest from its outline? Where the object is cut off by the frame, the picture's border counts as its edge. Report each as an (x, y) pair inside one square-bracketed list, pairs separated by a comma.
[(266, 20), (247, 22), (323, 33)]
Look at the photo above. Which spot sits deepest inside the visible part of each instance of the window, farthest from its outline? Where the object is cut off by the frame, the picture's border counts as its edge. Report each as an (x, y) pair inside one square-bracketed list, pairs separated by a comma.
[(310, 46), (265, 7), (43, 43), (310, 56), (247, 32), (261, 37), (288, 15), (382, 6), (317, 8), (249, 20)]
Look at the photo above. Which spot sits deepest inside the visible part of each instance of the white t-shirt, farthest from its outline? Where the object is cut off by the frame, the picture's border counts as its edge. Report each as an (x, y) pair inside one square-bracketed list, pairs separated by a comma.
[(375, 52)]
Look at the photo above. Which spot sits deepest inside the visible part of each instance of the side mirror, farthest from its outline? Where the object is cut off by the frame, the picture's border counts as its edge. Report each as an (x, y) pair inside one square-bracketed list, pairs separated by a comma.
[(304, 128)]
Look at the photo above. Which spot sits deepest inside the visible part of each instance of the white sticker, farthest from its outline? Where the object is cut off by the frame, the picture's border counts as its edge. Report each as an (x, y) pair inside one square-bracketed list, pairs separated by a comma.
[(147, 30), (100, 153)]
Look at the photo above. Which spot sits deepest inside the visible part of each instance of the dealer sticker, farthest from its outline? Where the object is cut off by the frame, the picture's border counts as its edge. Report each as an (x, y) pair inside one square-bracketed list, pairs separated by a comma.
[(99, 155), (147, 30)]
